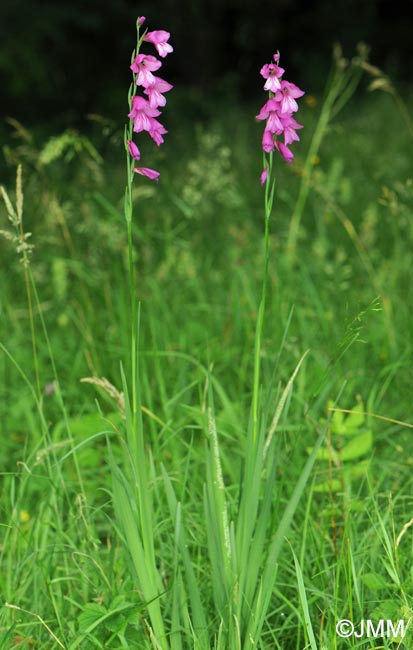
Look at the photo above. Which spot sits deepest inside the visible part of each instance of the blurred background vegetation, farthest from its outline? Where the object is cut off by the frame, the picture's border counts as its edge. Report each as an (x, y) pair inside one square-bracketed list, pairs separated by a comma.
[(65, 60)]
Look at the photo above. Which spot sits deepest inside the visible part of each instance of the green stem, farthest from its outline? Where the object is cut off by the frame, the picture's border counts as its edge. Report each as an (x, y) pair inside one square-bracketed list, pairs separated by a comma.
[(131, 267), (32, 325), (26, 262), (269, 196), (133, 324)]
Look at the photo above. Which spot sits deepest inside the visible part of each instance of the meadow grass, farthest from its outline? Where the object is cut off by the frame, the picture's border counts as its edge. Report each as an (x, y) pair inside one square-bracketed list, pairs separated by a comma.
[(162, 513)]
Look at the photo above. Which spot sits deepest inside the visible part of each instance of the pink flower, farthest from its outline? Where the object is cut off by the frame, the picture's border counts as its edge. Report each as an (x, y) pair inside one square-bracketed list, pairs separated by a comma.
[(287, 95), (142, 114), (272, 73), (159, 39), (290, 127), (156, 132), (143, 66), (133, 150), (269, 106), (274, 124), (155, 90), (149, 173), (264, 175), (141, 20), (144, 119), (285, 152), (270, 112)]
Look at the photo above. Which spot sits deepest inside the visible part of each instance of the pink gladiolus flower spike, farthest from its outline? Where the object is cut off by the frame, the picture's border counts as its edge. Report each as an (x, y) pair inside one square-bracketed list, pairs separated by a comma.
[(143, 111), (277, 113), (159, 39)]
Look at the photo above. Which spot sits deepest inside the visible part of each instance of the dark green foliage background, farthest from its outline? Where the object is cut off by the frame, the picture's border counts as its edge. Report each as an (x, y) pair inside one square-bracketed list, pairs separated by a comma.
[(65, 60)]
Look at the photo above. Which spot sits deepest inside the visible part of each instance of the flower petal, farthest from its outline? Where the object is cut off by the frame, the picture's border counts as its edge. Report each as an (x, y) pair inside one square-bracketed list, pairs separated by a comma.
[(149, 173), (159, 39), (285, 152)]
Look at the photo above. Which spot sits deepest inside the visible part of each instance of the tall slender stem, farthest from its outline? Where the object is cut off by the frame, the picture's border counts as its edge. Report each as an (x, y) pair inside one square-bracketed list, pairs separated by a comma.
[(133, 324), (18, 221), (131, 266), (132, 280), (269, 196)]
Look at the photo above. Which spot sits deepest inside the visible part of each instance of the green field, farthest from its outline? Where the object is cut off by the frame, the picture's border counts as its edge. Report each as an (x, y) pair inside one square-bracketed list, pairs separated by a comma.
[(212, 509)]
